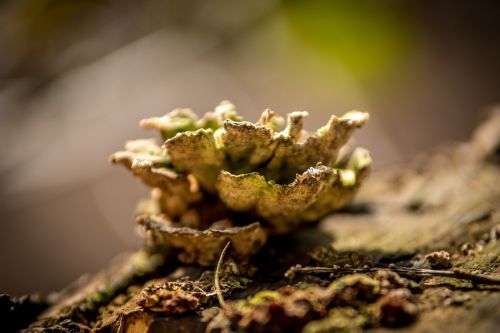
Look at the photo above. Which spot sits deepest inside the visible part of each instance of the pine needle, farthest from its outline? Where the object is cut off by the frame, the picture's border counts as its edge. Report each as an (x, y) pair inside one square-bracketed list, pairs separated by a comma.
[(217, 270)]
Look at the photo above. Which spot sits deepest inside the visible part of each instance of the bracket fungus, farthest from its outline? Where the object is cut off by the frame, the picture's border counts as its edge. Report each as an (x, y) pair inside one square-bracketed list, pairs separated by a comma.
[(221, 178)]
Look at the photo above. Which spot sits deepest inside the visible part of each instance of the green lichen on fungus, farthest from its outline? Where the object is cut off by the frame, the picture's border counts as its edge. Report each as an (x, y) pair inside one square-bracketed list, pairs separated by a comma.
[(271, 171)]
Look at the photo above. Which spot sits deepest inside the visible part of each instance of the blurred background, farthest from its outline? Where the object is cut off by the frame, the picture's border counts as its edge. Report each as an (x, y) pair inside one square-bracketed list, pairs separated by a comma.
[(76, 76)]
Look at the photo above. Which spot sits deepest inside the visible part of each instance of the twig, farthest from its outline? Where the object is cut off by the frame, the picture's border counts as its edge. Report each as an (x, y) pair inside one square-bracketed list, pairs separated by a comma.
[(409, 272), (217, 269)]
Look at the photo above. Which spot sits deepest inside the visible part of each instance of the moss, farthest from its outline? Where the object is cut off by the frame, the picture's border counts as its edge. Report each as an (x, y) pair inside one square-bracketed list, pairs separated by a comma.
[(339, 320), (349, 303)]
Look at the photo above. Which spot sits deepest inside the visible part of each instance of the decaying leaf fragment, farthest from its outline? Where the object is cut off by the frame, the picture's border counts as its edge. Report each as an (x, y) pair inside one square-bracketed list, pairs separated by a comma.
[(270, 172)]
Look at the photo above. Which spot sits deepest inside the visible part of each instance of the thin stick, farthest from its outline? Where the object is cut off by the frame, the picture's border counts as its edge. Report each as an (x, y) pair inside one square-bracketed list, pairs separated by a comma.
[(454, 273), (217, 269)]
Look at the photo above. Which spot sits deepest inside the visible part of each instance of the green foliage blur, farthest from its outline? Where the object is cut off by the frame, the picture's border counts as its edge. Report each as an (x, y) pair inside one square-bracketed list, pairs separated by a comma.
[(366, 37)]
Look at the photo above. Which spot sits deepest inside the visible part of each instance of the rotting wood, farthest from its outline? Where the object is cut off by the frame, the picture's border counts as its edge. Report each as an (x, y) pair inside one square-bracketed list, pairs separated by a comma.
[(446, 201)]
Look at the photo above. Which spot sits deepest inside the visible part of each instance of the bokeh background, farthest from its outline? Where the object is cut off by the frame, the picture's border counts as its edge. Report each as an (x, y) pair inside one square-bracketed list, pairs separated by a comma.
[(76, 76)]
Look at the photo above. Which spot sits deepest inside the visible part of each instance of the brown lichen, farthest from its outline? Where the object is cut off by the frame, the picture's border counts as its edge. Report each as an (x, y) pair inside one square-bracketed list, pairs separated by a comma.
[(349, 303), (184, 294), (396, 308), (172, 297), (204, 246)]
